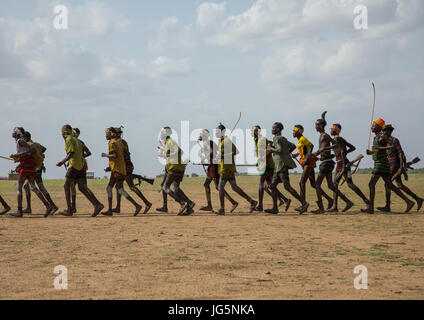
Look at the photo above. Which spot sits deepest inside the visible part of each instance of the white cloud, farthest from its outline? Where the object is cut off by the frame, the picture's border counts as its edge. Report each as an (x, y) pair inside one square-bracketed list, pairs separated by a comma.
[(160, 43), (209, 14), (271, 21), (95, 18), (170, 35), (165, 66)]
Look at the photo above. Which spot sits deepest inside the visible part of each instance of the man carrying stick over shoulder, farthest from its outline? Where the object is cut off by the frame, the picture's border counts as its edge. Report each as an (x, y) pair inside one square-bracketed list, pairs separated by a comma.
[(227, 170), (281, 150), (382, 167), (210, 152)]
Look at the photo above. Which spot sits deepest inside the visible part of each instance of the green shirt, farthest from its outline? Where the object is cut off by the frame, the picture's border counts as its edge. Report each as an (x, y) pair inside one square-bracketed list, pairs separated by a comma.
[(283, 158), (38, 155), (173, 156), (227, 150), (264, 160), (73, 146)]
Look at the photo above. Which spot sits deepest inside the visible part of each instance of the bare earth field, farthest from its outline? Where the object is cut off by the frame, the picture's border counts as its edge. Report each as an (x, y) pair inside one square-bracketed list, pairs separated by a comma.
[(239, 256)]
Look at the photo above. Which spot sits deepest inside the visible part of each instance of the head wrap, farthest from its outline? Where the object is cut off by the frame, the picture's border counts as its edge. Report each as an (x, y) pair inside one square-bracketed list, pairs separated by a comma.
[(204, 133), (165, 132), (335, 128), (380, 122), (18, 131), (67, 130), (298, 129)]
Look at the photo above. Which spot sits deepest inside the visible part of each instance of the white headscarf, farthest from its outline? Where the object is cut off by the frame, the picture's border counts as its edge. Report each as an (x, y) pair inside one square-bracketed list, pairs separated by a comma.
[(18, 132)]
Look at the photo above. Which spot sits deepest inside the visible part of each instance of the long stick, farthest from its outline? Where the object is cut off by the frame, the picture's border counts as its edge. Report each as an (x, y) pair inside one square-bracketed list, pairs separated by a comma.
[(235, 126), (6, 158), (372, 116)]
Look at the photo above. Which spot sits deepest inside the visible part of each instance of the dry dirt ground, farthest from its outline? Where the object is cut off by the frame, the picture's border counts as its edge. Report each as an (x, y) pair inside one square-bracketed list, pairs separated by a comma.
[(239, 256)]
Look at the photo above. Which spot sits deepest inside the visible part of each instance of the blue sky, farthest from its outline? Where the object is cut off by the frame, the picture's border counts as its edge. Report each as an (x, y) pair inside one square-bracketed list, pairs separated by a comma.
[(147, 64)]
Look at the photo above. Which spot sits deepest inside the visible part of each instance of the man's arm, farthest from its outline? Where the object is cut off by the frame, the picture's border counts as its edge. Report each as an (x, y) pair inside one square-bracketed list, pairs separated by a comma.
[(276, 147), (86, 152), (68, 157), (23, 143), (350, 147), (111, 155), (399, 149)]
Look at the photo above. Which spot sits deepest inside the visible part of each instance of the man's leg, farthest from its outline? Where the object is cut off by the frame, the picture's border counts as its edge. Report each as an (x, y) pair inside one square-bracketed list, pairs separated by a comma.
[(409, 203), (318, 184), (388, 193), (313, 185), (261, 191), (19, 213), (183, 196), (73, 197), (289, 188), (372, 183), (28, 198), (170, 180), (242, 194), (42, 188), (109, 191), (67, 187), (118, 201), (355, 188), (5, 206), (408, 191), (302, 183), (226, 195), (280, 196), (273, 186), (82, 186), (130, 181), (49, 207), (164, 196), (334, 186), (121, 190), (221, 188), (207, 187)]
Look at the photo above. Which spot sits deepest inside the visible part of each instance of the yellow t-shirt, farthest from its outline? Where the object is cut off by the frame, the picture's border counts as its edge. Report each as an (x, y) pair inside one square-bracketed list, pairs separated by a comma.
[(173, 157), (227, 150), (38, 155), (303, 146), (117, 164), (77, 160)]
